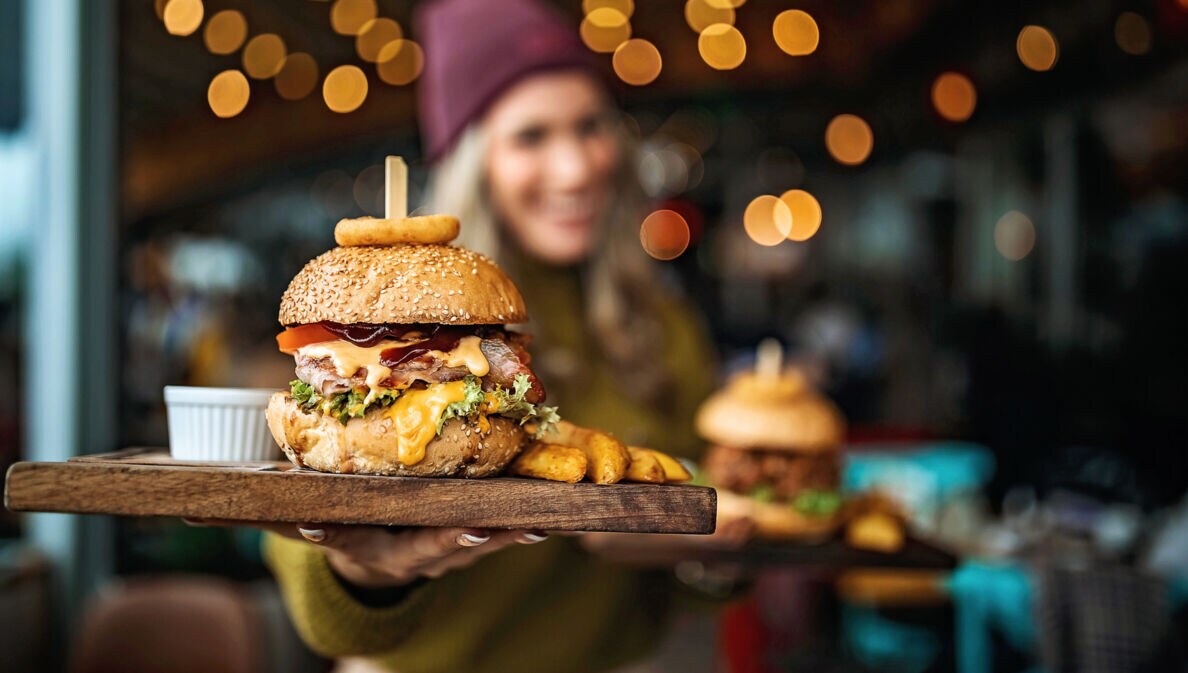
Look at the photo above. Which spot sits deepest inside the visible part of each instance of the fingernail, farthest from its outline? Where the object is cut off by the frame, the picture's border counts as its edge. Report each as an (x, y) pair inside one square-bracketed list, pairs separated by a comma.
[(196, 523), (471, 540), (532, 538), (312, 534)]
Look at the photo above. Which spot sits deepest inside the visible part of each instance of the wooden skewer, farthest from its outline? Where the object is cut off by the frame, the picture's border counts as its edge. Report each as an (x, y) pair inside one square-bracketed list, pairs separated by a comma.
[(769, 358), (395, 188)]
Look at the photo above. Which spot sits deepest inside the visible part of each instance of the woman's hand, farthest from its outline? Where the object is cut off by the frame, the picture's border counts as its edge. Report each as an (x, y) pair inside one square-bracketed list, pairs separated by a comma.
[(375, 557)]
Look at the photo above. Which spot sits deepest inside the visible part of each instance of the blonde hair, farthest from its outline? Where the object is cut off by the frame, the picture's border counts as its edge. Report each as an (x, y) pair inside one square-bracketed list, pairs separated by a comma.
[(622, 285)]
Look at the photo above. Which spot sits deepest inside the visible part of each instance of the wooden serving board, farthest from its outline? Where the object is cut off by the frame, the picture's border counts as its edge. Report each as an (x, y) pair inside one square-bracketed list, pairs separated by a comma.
[(148, 482)]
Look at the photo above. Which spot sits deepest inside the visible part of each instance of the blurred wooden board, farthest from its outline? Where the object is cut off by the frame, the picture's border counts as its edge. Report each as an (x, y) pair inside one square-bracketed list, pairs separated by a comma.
[(148, 482)]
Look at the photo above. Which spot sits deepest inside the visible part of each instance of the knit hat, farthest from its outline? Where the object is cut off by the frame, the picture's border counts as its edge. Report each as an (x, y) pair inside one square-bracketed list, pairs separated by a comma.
[(476, 49)]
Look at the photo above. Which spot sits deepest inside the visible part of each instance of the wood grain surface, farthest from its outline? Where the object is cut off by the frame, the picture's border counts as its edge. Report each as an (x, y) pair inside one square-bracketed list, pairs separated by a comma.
[(147, 482)]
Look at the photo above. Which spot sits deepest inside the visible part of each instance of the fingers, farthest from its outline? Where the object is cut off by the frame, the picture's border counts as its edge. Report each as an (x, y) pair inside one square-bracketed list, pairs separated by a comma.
[(466, 557)]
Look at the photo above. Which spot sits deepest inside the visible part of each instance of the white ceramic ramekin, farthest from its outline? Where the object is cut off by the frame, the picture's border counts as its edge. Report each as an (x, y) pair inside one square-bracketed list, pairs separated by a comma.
[(225, 424)]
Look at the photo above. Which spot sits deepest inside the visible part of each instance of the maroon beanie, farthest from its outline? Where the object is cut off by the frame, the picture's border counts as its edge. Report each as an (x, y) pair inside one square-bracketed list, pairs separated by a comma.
[(476, 49)]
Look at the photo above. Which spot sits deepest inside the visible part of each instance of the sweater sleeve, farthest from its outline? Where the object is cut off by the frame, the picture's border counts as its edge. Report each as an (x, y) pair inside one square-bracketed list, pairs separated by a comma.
[(327, 617)]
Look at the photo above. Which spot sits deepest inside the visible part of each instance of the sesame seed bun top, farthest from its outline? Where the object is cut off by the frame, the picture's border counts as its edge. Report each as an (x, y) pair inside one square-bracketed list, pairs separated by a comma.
[(771, 413), (402, 284)]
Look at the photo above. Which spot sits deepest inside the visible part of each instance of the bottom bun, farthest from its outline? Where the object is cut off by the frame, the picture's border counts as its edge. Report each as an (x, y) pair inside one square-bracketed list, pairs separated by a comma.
[(367, 445), (776, 521)]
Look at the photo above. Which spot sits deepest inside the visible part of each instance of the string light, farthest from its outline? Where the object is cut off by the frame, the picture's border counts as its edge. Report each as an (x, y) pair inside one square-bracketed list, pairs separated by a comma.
[(374, 36), (345, 88), (700, 14), (796, 32), (722, 47), (228, 93), (401, 62), (297, 77), (767, 220), (849, 139), (664, 234), (182, 17), (637, 62), (1014, 235), (225, 32), (348, 17), (954, 96), (1132, 33), (806, 214), (1037, 48), (264, 55), (604, 29)]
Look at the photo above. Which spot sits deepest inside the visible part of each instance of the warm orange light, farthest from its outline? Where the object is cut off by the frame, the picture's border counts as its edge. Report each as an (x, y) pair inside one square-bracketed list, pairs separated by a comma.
[(228, 93), (954, 96), (724, 4), (225, 32), (297, 77), (1037, 48), (374, 36), (796, 32), (604, 29), (401, 62), (664, 234), (264, 55), (348, 17), (767, 220), (722, 47), (1014, 235), (849, 139), (345, 88), (1133, 33), (624, 7), (700, 14), (637, 62), (806, 214), (182, 17)]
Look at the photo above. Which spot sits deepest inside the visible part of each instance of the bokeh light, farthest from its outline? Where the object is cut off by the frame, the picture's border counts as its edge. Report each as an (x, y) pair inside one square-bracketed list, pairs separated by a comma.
[(722, 47), (401, 62), (637, 62), (1037, 48), (298, 76), (225, 32), (700, 14), (1014, 235), (796, 32), (264, 55), (604, 29), (664, 234), (182, 17), (849, 139), (954, 96), (724, 4), (228, 93), (348, 17), (1132, 33), (368, 190), (624, 7), (767, 220), (374, 36), (806, 214), (345, 88)]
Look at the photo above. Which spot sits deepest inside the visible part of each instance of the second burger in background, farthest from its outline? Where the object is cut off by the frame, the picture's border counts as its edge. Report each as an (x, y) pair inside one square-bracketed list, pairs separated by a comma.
[(773, 455)]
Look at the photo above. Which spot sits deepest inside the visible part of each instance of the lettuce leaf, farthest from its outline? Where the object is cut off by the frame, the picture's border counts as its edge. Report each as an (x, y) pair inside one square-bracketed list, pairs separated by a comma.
[(343, 406), (819, 503)]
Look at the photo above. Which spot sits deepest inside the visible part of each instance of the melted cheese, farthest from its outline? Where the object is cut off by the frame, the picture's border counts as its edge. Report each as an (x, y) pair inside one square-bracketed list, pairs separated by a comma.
[(348, 358), (414, 415)]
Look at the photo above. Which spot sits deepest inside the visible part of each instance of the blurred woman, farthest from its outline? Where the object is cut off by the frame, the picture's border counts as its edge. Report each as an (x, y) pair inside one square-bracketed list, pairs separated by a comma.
[(531, 156)]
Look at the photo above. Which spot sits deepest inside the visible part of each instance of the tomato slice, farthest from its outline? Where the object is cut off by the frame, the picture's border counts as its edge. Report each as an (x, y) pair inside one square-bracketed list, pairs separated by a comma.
[(303, 335)]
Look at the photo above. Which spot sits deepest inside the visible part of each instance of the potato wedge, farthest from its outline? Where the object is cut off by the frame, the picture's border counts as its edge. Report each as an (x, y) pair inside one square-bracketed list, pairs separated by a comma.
[(550, 461), (606, 457), (644, 467), (673, 470)]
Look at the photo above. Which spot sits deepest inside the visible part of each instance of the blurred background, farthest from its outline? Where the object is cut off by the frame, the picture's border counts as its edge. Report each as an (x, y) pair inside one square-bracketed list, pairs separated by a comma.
[(990, 247)]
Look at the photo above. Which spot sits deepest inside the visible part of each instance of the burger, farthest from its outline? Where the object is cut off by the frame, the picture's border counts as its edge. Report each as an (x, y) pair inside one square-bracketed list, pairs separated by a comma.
[(404, 364), (773, 454)]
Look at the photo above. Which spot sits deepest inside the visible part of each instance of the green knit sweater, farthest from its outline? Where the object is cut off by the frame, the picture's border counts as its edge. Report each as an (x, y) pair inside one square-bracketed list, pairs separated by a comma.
[(544, 607)]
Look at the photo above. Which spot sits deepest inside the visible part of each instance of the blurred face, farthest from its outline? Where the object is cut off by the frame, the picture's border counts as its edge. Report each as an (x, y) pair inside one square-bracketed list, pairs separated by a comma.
[(551, 157)]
